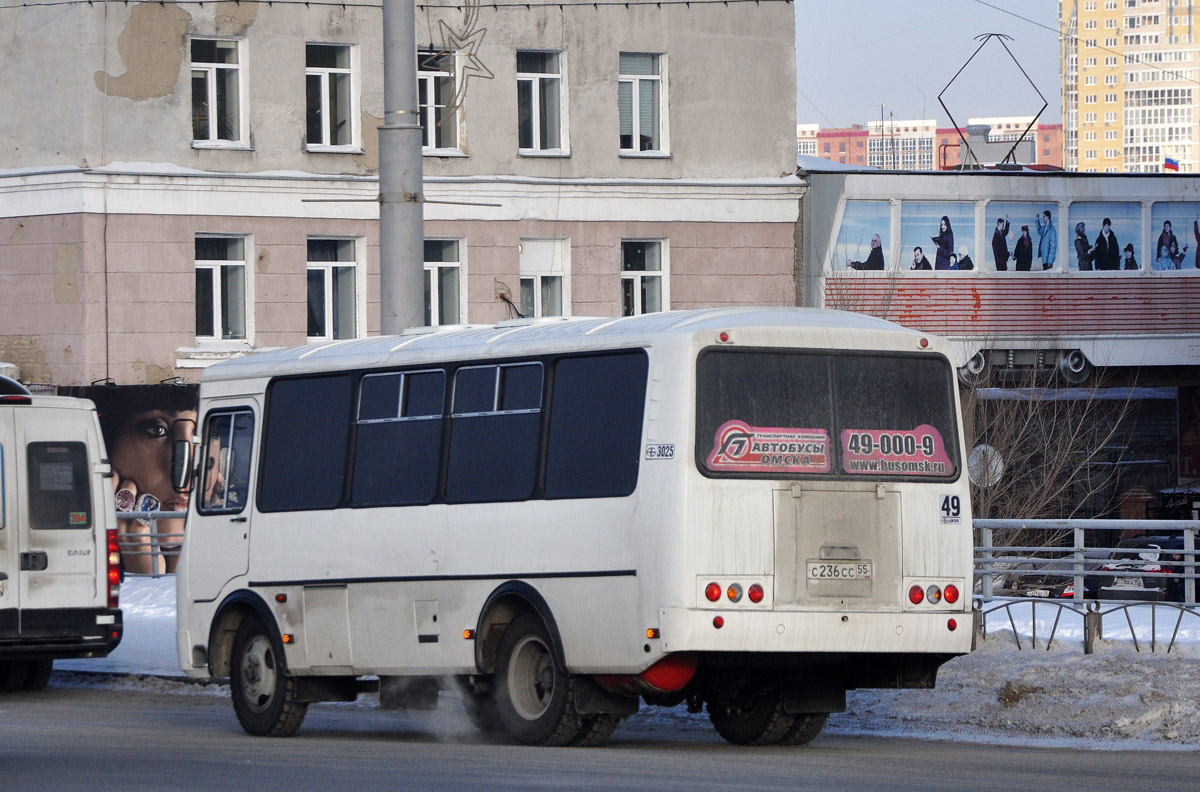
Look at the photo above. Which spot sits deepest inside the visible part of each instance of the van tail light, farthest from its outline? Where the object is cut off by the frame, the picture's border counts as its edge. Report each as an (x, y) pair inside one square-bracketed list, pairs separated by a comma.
[(713, 591), (950, 593), (916, 595), (933, 594), (114, 569), (755, 593)]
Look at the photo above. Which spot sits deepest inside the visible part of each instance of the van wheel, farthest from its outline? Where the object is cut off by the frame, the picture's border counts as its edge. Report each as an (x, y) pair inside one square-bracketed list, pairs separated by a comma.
[(38, 675), (804, 729), (762, 722), (264, 695), (535, 696), (12, 675)]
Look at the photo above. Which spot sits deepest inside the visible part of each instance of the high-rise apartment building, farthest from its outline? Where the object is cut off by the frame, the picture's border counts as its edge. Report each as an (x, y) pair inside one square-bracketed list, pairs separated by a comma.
[(1130, 92)]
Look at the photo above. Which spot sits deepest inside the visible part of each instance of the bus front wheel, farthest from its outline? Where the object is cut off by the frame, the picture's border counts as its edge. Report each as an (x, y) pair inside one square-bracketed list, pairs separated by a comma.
[(264, 695), (535, 696)]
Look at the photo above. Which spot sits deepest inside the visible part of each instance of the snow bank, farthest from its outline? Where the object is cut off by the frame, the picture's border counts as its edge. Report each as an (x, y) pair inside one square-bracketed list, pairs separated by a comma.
[(1116, 698)]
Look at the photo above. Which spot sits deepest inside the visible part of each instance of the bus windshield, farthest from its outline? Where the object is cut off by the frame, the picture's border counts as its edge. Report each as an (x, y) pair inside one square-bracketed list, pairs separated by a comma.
[(771, 413)]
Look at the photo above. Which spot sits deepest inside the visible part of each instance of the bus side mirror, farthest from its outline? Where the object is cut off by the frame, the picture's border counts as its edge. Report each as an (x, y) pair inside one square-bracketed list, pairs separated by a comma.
[(181, 465)]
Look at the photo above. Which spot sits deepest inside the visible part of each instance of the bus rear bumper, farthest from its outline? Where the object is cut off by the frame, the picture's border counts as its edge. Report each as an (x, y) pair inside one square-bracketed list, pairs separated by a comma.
[(695, 630)]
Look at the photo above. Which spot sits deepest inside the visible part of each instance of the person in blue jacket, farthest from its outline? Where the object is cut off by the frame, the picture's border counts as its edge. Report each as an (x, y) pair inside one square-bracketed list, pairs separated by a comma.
[(1047, 240)]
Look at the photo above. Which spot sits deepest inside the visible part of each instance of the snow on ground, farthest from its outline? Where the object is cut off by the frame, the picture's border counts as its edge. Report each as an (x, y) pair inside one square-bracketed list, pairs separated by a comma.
[(1118, 697)]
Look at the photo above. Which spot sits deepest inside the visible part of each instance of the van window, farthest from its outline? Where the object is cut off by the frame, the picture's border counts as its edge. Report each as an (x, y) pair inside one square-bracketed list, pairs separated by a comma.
[(398, 451), (60, 494), (788, 414), (228, 444), (494, 427), (305, 440), (595, 436)]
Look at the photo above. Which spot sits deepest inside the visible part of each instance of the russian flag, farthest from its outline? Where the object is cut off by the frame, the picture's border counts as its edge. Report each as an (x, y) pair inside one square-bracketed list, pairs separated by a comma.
[(1171, 164)]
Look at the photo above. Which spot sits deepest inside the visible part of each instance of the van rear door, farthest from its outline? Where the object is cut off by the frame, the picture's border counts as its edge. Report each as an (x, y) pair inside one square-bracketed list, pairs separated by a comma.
[(61, 560), (9, 590)]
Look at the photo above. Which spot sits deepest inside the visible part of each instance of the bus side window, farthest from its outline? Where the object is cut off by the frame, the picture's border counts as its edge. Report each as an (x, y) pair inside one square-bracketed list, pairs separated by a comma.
[(305, 443), (225, 478), (595, 438), (494, 426), (398, 453)]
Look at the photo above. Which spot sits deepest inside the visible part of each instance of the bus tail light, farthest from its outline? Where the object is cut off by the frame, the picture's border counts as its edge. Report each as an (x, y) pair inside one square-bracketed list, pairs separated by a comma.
[(734, 593), (114, 568), (755, 593), (718, 622), (950, 593), (916, 595), (713, 592), (933, 594), (951, 625)]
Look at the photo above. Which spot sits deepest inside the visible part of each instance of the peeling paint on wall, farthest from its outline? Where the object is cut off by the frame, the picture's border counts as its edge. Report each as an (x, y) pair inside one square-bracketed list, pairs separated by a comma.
[(152, 48), (25, 352), (369, 159), (262, 261), (233, 19), (18, 235), (67, 259)]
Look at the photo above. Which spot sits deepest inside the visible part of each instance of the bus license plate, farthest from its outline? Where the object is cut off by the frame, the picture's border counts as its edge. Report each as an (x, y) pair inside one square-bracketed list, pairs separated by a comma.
[(839, 570)]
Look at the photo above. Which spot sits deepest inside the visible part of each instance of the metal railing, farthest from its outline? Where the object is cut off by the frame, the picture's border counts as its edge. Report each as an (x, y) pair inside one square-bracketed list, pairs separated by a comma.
[(1076, 561), (153, 544)]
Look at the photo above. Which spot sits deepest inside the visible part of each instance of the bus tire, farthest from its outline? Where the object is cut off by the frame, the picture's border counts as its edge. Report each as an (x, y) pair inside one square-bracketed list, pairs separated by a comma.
[(38, 675), (12, 675), (804, 729), (762, 723), (264, 695), (535, 696), (596, 730)]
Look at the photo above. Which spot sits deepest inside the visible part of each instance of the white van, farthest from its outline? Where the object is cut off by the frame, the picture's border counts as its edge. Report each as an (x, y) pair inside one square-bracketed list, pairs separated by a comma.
[(59, 560), (750, 510)]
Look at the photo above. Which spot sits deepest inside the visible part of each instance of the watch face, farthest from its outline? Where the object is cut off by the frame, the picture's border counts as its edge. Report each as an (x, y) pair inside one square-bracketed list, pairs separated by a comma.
[(124, 499), (147, 503)]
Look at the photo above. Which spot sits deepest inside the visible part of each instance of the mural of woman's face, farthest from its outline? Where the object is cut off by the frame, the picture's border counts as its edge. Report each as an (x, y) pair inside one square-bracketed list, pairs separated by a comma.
[(141, 453)]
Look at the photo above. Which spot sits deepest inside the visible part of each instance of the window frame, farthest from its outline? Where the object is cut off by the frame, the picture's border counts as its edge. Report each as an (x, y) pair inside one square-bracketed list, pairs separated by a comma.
[(634, 80), (433, 283), (242, 139), (214, 265), (638, 276), (202, 480), (535, 79), (359, 280), (536, 271), (354, 142), (431, 113)]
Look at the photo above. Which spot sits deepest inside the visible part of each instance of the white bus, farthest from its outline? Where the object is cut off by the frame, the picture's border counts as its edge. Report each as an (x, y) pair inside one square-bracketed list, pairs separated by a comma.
[(752, 511)]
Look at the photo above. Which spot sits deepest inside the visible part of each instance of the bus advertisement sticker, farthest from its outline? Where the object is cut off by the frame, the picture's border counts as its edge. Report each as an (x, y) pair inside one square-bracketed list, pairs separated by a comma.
[(919, 452), (741, 448)]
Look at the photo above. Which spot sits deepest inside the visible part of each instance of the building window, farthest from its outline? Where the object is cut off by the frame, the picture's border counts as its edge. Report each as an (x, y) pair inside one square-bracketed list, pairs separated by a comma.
[(545, 273), (640, 102), (443, 282), (435, 88), (540, 125), (330, 89), (332, 289), (642, 282), (216, 91), (826, 148), (220, 288)]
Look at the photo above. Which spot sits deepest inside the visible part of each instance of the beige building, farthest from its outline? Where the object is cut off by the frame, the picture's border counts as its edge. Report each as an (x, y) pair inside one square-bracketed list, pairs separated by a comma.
[(1130, 98), (189, 182)]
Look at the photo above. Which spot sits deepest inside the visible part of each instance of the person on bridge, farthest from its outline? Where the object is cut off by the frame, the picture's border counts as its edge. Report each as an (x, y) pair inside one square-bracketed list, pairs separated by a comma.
[(1023, 251), (919, 260), (1166, 238), (1130, 260), (1000, 244), (874, 258), (1083, 251), (945, 245), (1047, 240), (1108, 249)]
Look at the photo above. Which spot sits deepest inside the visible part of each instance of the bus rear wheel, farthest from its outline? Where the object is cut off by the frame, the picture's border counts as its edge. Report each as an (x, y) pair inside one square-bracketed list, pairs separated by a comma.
[(762, 722), (804, 729), (264, 695), (535, 696)]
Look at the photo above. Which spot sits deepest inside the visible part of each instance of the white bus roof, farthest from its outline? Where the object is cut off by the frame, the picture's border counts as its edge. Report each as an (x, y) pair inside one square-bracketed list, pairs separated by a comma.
[(517, 337)]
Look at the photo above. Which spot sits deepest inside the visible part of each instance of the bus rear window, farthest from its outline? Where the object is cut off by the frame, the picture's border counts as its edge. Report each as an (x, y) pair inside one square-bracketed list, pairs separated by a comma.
[(788, 414), (60, 495)]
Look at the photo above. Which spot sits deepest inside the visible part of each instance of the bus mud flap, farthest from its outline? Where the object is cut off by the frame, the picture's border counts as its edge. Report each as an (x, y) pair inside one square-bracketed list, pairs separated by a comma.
[(809, 699), (591, 699)]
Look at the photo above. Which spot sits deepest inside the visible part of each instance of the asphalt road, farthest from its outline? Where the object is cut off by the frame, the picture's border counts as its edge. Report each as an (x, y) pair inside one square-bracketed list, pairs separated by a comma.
[(99, 737)]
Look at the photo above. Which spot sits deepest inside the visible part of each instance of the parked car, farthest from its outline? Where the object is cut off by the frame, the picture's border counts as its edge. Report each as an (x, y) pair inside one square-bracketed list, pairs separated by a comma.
[(1118, 578)]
